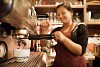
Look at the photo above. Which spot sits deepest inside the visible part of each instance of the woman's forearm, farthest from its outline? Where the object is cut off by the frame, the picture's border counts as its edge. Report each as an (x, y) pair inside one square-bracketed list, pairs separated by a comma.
[(73, 47)]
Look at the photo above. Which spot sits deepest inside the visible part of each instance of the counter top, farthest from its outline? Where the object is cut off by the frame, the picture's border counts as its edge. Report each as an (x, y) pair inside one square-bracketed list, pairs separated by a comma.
[(89, 57), (35, 60)]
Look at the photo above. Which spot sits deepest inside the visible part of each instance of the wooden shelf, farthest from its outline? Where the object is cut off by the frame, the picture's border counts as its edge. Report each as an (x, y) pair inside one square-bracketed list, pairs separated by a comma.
[(42, 9), (54, 6), (93, 3), (77, 6), (45, 6), (93, 23), (57, 23)]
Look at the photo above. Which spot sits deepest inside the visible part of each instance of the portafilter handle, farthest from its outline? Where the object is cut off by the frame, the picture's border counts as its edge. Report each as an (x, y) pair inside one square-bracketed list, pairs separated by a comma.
[(42, 36)]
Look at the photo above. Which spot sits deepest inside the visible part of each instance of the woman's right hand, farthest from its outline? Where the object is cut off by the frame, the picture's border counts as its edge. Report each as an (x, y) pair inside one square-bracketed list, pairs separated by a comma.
[(45, 26), (59, 36), (45, 23)]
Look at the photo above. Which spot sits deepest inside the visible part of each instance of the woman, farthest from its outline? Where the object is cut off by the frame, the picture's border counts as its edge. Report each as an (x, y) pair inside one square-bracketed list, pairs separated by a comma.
[(71, 39)]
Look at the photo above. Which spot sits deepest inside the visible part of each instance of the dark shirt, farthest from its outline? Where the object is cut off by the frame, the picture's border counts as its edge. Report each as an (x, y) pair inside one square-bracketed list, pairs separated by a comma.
[(64, 57)]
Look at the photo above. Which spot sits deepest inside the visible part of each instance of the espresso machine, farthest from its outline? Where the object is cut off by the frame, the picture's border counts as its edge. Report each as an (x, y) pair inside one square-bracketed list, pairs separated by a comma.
[(22, 17)]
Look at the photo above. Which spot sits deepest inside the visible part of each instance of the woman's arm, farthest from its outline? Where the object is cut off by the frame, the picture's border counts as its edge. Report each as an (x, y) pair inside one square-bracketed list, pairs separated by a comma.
[(76, 48), (45, 28)]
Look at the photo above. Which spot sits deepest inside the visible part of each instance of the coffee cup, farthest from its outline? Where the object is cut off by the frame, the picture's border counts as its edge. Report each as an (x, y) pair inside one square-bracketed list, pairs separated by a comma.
[(21, 55)]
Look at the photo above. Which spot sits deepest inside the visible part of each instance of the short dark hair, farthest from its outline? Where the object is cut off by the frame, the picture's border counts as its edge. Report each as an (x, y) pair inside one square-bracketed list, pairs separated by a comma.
[(67, 6)]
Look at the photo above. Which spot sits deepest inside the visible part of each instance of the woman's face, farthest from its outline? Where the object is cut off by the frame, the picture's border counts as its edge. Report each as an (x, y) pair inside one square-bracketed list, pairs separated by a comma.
[(64, 15)]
